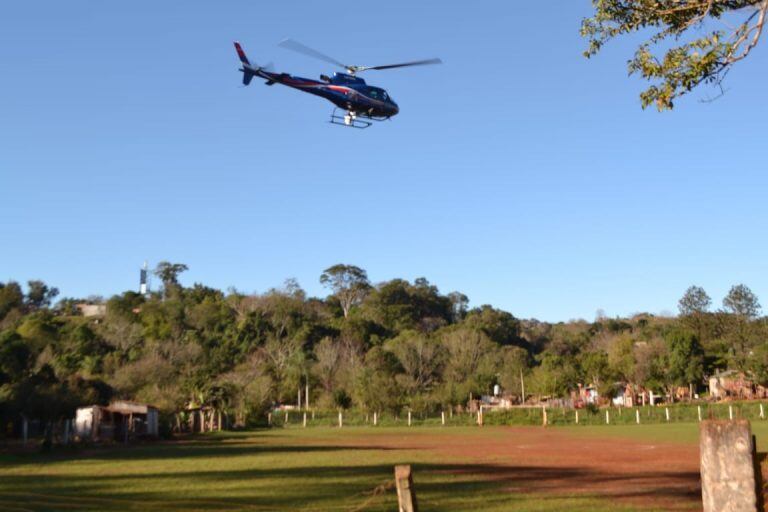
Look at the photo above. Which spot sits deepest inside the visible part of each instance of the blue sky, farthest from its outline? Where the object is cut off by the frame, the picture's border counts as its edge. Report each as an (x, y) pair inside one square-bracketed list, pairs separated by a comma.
[(518, 172)]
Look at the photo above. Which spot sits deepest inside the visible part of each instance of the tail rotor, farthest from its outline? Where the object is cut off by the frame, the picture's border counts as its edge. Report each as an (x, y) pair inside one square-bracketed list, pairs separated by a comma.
[(249, 70)]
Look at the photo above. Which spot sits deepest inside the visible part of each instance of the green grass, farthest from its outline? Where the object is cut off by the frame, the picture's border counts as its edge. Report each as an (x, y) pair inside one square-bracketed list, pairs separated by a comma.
[(280, 469), (684, 433)]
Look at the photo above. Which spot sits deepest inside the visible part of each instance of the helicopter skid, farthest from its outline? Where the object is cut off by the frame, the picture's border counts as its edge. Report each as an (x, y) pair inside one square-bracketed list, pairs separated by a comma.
[(354, 119)]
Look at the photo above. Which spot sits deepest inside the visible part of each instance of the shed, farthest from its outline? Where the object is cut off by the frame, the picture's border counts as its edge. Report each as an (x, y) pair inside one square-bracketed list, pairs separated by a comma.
[(118, 421)]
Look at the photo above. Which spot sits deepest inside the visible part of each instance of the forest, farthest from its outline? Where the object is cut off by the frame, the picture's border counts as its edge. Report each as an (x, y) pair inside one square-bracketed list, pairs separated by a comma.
[(389, 346)]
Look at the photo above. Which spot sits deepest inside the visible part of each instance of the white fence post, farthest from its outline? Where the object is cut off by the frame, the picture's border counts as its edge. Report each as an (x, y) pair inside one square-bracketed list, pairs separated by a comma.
[(409, 418), (341, 420), (577, 417), (666, 412), (762, 412), (375, 418), (730, 412), (305, 419), (442, 418), (637, 416), (698, 411), (607, 417)]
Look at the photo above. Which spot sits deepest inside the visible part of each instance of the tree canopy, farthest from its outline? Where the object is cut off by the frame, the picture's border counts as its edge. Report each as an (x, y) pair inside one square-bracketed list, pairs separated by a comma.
[(400, 345), (688, 43)]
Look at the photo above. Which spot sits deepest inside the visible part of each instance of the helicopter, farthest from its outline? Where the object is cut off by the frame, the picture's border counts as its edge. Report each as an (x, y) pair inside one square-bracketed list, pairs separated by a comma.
[(361, 104)]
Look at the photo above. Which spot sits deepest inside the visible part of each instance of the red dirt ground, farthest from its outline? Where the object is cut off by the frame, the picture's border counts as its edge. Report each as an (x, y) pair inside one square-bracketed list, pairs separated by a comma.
[(528, 459)]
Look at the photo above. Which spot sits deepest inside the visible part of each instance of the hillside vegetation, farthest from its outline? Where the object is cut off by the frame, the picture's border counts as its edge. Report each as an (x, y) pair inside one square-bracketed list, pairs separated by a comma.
[(383, 347)]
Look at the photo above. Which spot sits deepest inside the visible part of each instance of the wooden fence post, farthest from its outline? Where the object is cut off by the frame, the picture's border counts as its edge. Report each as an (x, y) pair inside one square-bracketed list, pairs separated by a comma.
[(728, 478), (406, 494)]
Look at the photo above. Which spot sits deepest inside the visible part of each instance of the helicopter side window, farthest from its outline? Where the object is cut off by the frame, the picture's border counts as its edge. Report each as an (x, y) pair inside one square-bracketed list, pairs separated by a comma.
[(384, 96), (373, 93)]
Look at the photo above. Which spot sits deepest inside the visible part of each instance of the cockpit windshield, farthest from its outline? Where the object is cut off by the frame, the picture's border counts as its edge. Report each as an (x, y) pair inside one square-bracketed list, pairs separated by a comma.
[(378, 94)]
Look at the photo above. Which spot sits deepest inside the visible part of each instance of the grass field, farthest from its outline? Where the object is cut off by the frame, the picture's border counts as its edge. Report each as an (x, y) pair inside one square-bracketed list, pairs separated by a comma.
[(616, 468)]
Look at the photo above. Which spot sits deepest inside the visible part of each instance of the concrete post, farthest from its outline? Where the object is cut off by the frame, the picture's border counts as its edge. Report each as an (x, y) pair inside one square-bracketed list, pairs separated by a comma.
[(409, 418), (375, 419), (286, 417), (762, 412), (577, 417), (637, 416), (666, 412), (730, 412), (269, 419), (406, 494), (728, 480), (305, 419), (544, 421), (698, 411), (607, 417), (442, 418), (341, 420)]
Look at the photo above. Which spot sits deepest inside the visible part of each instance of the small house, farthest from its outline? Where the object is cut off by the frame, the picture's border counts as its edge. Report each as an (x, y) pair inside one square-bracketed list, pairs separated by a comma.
[(734, 384), (118, 421), (585, 395), (92, 310)]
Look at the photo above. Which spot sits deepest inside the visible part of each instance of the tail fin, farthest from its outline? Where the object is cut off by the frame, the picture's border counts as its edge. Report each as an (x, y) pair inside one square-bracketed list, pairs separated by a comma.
[(241, 54), (248, 71)]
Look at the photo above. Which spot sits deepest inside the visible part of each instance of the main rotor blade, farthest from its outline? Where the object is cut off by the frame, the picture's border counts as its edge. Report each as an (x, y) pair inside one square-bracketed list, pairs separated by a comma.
[(404, 64), (296, 46)]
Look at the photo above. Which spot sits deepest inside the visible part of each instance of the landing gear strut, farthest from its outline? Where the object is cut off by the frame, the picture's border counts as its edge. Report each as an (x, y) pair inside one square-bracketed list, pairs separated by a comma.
[(352, 119)]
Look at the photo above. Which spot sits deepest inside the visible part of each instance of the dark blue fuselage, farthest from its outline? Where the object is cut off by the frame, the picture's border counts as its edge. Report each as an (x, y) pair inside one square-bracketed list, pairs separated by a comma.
[(347, 92)]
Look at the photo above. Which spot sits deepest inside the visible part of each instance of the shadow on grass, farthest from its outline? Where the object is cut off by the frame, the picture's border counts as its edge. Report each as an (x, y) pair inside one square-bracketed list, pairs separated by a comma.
[(183, 475), (336, 487), (184, 448)]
